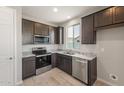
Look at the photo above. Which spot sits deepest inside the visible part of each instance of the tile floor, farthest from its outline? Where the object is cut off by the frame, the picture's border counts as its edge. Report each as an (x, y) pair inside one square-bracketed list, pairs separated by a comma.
[(56, 77)]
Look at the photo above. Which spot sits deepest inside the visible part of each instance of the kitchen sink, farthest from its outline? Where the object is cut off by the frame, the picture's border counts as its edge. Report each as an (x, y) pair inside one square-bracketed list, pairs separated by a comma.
[(69, 53)]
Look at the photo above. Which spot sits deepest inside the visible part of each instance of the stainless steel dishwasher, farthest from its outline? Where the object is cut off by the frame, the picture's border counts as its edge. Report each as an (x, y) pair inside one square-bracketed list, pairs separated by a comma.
[(80, 69)]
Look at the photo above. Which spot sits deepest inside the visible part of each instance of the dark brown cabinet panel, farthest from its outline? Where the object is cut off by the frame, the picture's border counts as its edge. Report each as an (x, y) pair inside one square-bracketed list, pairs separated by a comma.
[(54, 60), (59, 39), (88, 33), (60, 62), (28, 67), (41, 29), (92, 71), (54, 35), (104, 17), (64, 63), (62, 33), (68, 65), (57, 36), (27, 31), (118, 14)]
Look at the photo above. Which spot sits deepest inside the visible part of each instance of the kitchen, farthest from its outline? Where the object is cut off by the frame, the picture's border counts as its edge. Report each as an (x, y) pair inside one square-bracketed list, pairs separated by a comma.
[(82, 65), (63, 45)]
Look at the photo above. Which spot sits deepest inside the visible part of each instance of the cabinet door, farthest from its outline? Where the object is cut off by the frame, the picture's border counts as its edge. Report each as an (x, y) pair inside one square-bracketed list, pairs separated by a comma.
[(38, 29), (28, 67), (41, 29), (53, 60), (60, 62), (61, 35), (92, 71), (27, 31), (57, 35), (88, 33), (118, 14), (68, 65), (104, 17), (45, 30), (52, 34)]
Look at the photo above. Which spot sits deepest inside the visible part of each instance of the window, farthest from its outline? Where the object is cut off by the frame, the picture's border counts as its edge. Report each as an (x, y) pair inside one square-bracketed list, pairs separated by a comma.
[(73, 37)]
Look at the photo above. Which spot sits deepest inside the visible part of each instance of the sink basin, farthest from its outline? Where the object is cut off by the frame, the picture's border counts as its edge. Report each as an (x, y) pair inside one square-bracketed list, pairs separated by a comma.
[(69, 53)]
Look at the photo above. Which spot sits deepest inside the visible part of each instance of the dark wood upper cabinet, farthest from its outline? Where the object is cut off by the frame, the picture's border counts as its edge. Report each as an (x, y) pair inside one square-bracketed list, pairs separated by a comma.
[(41, 29), (27, 31), (59, 39), (118, 14), (88, 33), (57, 35), (104, 17)]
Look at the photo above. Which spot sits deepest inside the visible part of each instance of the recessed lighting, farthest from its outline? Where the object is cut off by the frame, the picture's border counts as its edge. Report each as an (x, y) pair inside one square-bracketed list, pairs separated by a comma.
[(68, 17), (55, 9)]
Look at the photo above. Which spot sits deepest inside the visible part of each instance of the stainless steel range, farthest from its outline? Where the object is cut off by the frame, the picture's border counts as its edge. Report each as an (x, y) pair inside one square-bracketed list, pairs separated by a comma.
[(43, 60)]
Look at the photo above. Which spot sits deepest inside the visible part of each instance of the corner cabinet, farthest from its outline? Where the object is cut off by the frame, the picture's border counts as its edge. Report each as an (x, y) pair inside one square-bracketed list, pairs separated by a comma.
[(103, 18), (87, 32)]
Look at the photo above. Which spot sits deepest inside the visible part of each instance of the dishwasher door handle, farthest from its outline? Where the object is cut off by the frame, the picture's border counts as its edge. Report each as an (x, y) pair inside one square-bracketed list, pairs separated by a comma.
[(81, 61)]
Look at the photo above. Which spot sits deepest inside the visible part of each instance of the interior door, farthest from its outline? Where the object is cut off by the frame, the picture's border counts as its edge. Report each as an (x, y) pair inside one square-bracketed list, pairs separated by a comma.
[(6, 46)]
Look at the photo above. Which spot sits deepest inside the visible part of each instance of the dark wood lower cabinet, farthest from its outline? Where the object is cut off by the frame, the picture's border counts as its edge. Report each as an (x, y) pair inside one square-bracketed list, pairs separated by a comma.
[(28, 67), (118, 14), (64, 63), (92, 71)]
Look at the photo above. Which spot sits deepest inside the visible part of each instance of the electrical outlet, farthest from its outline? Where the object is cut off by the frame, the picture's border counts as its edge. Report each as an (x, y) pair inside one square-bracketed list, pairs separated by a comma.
[(113, 77)]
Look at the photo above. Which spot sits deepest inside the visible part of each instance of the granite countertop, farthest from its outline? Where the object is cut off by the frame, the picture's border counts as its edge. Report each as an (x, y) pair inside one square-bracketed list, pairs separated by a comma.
[(87, 56), (27, 54)]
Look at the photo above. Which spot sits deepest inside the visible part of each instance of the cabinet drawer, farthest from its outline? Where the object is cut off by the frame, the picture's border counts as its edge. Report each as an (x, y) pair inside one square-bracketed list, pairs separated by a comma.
[(29, 59)]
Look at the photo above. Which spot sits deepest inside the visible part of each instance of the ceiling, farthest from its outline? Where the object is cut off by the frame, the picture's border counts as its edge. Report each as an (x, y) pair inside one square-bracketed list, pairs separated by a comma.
[(46, 12)]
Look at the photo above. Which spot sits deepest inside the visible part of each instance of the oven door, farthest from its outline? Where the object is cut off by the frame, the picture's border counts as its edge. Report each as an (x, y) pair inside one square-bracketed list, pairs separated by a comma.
[(42, 61)]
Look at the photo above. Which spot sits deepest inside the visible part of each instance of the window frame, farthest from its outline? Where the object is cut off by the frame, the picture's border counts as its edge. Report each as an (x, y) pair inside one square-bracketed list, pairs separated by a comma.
[(73, 36)]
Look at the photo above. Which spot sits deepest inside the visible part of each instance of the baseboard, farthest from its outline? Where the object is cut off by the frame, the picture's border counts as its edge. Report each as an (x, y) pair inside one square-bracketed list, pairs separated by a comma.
[(19, 83), (108, 83)]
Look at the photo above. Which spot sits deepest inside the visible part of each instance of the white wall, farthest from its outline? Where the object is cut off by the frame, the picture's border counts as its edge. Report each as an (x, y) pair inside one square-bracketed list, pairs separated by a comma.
[(110, 54), (18, 76)]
